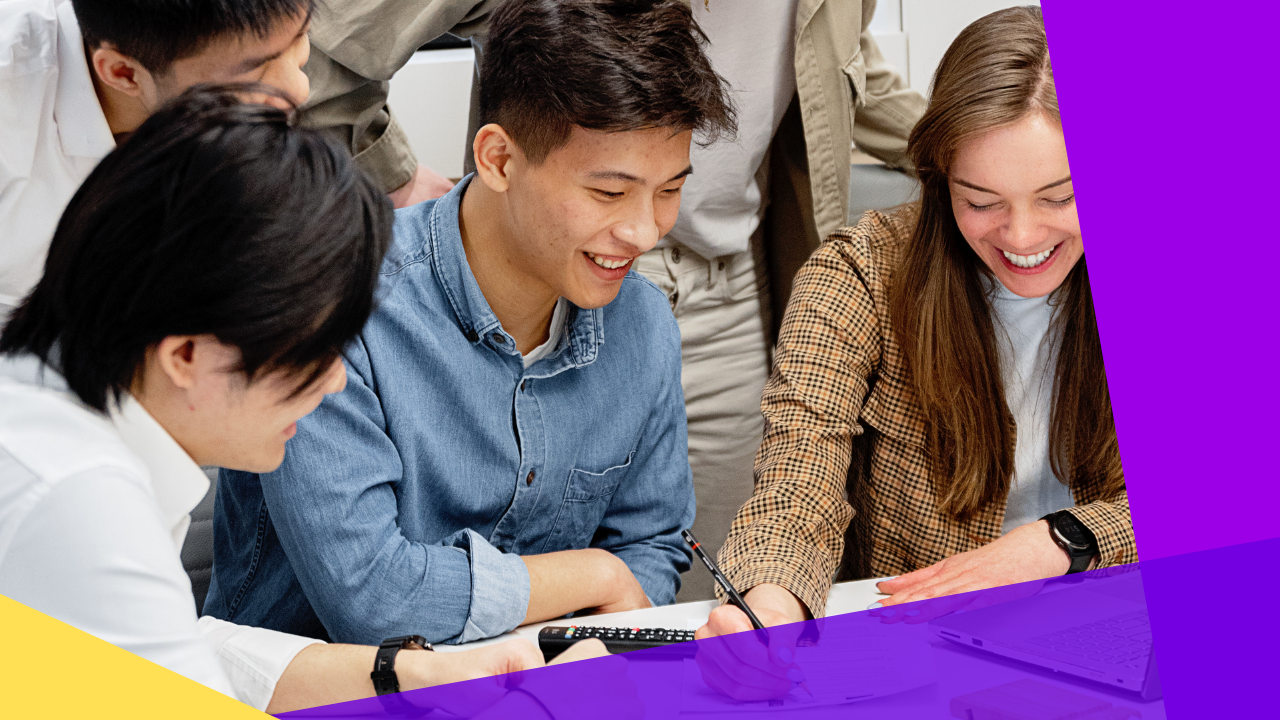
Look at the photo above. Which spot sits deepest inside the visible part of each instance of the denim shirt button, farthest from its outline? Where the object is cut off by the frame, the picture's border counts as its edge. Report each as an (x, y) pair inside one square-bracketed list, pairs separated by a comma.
[(498, 338), (523, 383), (528, 479)]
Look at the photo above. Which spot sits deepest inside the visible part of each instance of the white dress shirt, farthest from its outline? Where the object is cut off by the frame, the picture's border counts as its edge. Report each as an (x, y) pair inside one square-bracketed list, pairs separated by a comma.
[(753, 47), (54, 134), (93, 513), (1028, 360)]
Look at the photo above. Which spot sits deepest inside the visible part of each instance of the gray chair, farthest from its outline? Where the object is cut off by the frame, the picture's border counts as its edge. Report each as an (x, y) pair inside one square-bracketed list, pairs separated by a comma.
[(197, 551)]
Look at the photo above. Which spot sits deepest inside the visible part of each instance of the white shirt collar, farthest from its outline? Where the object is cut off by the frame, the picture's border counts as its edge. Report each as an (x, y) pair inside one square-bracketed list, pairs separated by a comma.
[(82, 126), (177, 482)]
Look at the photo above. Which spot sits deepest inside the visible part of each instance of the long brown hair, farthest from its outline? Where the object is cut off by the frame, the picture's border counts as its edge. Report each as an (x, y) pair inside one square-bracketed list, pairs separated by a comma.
[(994, 74)]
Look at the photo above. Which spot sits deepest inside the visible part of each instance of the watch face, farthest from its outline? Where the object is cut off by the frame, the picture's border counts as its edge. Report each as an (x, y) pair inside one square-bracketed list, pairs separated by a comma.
[(1072, 530)]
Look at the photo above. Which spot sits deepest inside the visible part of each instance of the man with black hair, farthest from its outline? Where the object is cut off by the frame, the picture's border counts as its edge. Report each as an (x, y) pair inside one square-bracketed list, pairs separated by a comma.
[(123, 371), (511, 445), (808, 78), (80, 76)]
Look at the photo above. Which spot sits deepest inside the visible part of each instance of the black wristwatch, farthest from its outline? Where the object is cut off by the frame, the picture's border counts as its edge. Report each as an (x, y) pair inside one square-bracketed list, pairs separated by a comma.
[(384, 677), (1076, 540)]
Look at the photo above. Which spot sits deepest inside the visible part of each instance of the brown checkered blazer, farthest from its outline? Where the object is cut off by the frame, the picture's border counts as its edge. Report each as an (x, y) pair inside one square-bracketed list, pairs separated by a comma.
[(844, 453)]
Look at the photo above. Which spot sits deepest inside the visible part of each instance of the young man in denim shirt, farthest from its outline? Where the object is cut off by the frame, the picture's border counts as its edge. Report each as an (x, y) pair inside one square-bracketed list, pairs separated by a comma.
[(511, 445)]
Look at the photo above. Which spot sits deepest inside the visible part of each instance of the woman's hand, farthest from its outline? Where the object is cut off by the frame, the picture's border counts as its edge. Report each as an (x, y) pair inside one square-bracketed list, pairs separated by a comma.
[(739, 664), (1023, 554)]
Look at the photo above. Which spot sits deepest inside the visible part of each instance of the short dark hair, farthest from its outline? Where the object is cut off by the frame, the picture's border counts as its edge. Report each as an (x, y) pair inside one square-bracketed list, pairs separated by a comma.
[(215, 217), (158, 32), (609, 65)]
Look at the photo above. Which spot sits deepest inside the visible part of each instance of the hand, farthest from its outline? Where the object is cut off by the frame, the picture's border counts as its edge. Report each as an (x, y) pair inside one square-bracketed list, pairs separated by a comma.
[(598, 689), (740, 665), (624, 590), (417, 669), (588, 581), (1023, 554), (425, 184), (581, 650)]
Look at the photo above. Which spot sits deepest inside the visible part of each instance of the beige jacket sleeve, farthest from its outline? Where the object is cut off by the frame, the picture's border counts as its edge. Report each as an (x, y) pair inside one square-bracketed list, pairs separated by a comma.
[(887, 109), (356, 46)]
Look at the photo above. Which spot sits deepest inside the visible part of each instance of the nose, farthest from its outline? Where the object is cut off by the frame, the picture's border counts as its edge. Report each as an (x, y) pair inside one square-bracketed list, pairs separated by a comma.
[(639, 228), (1023, 232)]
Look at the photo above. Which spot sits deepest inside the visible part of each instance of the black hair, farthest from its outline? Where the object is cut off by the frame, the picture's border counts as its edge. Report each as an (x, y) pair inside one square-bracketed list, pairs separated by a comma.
[(609, 65), (158, 32), (216, 217)]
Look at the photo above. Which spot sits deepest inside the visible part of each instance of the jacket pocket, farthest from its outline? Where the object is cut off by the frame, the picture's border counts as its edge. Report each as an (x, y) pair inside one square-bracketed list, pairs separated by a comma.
[(856, 70), (586, 498)]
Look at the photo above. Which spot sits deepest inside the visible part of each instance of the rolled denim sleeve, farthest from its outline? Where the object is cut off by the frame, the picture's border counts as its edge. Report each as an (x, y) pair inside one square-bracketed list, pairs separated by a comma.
[(334, 506), (655, 500), (499, 587)]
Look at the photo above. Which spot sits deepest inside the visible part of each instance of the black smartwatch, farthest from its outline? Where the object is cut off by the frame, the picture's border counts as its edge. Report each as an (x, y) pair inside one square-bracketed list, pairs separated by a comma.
[(1076, 540), (384, 677)]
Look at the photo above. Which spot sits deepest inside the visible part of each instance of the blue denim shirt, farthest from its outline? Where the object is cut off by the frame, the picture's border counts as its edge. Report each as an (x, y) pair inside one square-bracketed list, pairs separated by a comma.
[(405, 501)]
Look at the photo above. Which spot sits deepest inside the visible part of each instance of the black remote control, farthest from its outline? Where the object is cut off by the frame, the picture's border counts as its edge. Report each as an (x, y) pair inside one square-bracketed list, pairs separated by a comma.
[(555, 640)]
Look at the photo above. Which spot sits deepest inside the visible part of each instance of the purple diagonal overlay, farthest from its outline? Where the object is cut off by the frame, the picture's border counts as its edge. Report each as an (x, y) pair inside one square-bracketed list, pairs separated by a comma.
[(1084, 645), (1169, 111), (1170, 121)]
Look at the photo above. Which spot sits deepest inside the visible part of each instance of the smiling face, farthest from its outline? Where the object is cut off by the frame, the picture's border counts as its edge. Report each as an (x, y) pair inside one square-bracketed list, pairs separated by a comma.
[(1013, 200), (190, 385), (593, 206), (275, 60)]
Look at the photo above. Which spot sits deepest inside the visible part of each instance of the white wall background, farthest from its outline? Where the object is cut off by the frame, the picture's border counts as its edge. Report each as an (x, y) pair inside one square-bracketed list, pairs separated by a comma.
[(431, 94)]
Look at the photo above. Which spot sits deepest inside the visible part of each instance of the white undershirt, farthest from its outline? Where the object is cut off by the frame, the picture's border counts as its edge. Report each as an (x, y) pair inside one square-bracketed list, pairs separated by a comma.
[(753, 47), (1027, 365), (553, 334)]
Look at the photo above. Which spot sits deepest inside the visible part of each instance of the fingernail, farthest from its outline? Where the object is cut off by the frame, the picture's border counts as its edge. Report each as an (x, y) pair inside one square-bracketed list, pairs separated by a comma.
[(911, 613), (875, 606), (785, 655), (795, 675)]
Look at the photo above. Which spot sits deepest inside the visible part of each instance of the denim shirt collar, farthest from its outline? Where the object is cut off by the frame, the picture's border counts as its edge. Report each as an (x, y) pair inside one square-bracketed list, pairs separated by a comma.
[(584, 330)]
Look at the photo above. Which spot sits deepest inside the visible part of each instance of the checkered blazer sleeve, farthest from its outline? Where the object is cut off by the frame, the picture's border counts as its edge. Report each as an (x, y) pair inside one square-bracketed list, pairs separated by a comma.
[(791, 531), (1110, 523)]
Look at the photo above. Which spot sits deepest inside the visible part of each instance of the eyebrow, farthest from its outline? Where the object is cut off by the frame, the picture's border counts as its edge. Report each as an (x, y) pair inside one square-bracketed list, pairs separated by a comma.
[(257, 62), (979, 188), (628, 177)]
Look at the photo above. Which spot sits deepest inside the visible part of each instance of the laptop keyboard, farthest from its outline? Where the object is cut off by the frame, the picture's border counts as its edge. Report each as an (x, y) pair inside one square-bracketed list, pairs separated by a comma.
[(1123, 640)]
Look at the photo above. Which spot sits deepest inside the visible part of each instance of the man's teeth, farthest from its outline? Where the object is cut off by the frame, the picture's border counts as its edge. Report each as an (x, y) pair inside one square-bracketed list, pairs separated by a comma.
[(1029, 261), (608, 264)]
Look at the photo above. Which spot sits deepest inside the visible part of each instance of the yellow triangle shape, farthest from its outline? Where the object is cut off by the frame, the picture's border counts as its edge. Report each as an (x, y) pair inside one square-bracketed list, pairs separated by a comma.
[(49, 669)]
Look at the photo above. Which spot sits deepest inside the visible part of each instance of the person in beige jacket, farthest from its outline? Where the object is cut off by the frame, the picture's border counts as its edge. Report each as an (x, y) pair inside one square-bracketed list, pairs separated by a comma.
[(809, 82)]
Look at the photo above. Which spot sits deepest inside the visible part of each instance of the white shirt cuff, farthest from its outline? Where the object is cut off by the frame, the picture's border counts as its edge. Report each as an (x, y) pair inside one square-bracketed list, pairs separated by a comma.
[(253, 658)]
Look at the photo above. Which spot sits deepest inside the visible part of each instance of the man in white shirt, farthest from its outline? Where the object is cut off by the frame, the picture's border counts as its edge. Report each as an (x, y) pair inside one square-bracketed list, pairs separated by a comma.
[(80, 75), (103, 424)]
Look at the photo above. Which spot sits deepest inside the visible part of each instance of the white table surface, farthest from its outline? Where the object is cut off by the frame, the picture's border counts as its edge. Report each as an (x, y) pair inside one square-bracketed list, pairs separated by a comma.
[(959, 670), (845, 598)]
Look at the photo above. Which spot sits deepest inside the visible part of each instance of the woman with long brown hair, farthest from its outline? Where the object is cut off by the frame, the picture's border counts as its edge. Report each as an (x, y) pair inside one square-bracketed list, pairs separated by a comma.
[(938, 408)]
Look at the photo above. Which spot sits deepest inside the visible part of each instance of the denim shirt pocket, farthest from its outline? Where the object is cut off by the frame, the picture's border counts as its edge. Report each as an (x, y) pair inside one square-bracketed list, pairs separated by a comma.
[(586, 498)]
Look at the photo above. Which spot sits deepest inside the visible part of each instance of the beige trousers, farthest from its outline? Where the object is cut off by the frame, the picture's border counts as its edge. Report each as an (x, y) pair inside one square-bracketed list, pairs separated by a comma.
[(720, 304)]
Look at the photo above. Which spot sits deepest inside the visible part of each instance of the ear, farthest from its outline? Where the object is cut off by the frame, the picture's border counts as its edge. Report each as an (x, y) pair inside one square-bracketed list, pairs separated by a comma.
[(496, 154), (121, 72), (177, 356)]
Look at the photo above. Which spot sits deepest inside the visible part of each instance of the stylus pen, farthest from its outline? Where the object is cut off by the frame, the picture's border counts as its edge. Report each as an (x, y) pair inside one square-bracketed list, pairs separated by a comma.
[(724, 583)]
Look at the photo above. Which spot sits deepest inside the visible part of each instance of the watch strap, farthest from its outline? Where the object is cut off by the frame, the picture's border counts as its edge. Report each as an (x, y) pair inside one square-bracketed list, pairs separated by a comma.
[(385, 681)]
